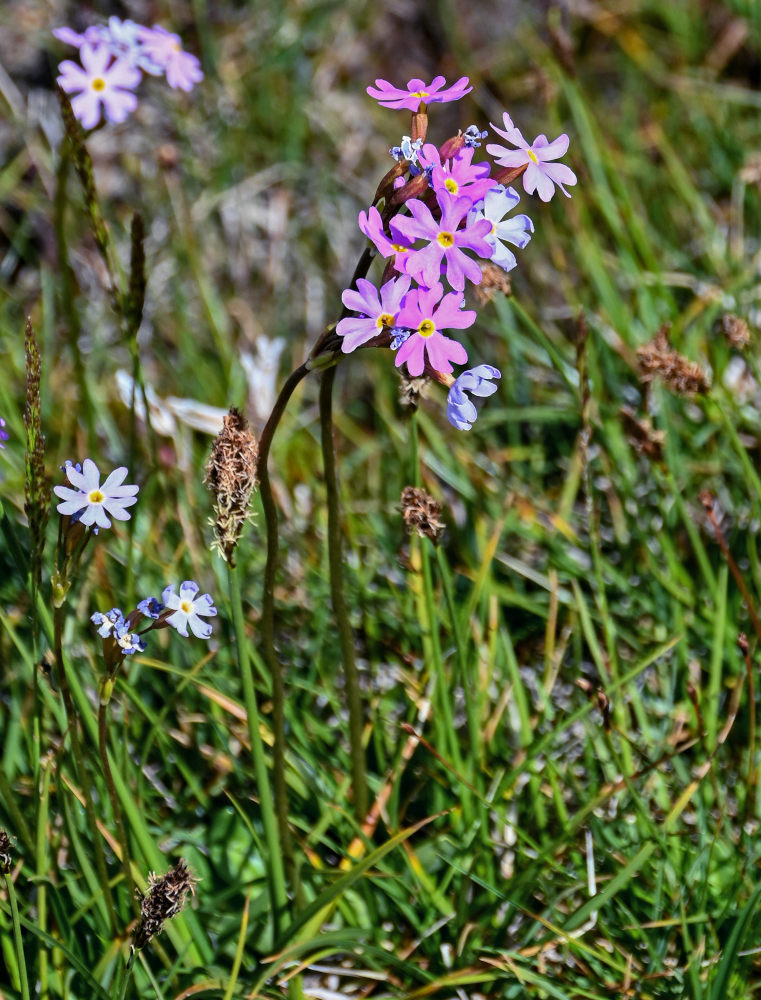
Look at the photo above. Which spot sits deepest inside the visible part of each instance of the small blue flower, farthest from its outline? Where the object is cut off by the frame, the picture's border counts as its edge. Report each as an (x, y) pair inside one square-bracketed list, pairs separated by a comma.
[(151, 607), (398, 336), (130, 642), (187, 608), (408, 150), (111, 621), (473, 136), (460, 411)]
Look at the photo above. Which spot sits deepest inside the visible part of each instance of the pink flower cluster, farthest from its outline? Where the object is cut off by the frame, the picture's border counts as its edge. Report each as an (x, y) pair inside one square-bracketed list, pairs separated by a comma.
[(439, 236), (113, 59)]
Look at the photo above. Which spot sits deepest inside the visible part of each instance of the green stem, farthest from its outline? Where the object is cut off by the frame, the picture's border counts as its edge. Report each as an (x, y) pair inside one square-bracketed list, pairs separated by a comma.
[(41, 869), (76, 745), (115, 806), (345, 634), (269, 818), (17, 940), (268, 618)]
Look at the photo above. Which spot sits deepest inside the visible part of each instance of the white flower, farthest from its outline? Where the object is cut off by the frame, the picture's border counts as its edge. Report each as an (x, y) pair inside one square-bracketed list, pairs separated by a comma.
[(495, 206), (187, 609), (95, 502)]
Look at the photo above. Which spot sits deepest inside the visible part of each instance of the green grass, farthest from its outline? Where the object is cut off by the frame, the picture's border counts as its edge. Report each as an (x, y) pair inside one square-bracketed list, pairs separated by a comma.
[(523, 847)]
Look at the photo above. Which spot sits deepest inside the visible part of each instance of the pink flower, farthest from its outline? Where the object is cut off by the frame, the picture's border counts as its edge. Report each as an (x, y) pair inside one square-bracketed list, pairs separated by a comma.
[(99, 84), (445, 241), (376, 313), (458, 176), (540, 176), (371, 225), (420, 314), (182, 69), (418, 93)]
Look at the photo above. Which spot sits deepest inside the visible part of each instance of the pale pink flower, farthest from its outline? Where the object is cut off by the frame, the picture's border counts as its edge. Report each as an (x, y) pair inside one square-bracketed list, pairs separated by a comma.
[(97, 85), (182, 69), (540, 176)]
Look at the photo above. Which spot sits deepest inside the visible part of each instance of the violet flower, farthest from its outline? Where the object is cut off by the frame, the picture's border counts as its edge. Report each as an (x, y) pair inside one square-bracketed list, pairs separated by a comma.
[(418, 93), (445, 241), (540, 176), (4, 435), (182, 69), (426, 319), (99, 85), (371, 225), (376, 312), (459, 176), (460, 411)]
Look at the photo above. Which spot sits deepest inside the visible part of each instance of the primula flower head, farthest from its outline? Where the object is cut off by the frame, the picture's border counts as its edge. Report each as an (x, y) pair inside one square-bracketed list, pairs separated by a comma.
[(426, 313), (99, 85), (460, 411), (182, 69), (495, 206), (458, 176), (91, 501), (540, 176), (371, 225), (150, 607), (376, 311), (418, 93), (188, 608), (446, 241)]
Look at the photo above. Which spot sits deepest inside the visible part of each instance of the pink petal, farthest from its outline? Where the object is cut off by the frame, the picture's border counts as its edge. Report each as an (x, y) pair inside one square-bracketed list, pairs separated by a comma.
[(552, 151)]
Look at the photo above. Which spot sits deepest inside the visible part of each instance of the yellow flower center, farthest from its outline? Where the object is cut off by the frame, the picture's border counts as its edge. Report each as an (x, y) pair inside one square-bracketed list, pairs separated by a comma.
[(451, 185), (420, 93), (385, 319), (399, 248), (445, 239), (98, 83), (426, 328), (186, 606), (532, 155), (176, 47), (95, 496)]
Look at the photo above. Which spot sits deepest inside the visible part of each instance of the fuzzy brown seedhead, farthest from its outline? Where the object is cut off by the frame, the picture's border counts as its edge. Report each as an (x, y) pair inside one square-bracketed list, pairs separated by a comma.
[(6, 853), (641, 436), (36, 483), (411, 389), (165, 898), (422, 514), (658, 358), (231, 477), (735, 330), (494, 281)]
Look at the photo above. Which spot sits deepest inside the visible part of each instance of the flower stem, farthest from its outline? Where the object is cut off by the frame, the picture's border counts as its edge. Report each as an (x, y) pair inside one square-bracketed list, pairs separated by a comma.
[(76, 745), (17, 939), (346, 637), (115, 806), (269, 819)]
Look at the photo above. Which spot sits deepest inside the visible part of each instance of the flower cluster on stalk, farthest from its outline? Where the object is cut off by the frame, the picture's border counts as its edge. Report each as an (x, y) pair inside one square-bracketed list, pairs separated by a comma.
[(114, 57), (435, 215)]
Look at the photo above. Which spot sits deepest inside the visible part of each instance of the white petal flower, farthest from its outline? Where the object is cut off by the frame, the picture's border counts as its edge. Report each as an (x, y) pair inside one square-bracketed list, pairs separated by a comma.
[(517, 230), (187, 609), (95, 502)]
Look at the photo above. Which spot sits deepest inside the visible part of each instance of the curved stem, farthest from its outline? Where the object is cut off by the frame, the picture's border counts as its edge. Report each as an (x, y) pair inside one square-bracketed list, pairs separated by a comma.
[(346, 637), (268, 617)]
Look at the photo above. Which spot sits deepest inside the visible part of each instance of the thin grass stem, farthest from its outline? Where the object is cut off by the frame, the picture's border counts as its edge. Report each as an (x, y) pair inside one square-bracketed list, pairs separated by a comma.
[(17, 939)]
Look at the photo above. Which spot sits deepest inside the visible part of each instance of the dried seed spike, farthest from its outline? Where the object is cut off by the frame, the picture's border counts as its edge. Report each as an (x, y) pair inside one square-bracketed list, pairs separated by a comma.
[(735, 330), (658, 358), (494, 281), (165, 898), (133, 311), (231, 477), (422, 514), (641, 436), (36, 484)]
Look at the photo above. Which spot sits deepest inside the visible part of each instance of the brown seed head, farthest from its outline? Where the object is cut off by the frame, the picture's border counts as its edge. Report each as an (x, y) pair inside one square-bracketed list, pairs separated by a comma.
[(494, 281), (411, 390), (641, 436), (422, 514), (231, 477), (735, 330), (36, 483), (165, 898), (6, 854), (658, 358)]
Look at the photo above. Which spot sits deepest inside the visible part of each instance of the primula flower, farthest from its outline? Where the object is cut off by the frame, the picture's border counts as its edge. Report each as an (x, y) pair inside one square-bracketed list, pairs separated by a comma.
[(376, 312), (99, 85), (460, 411), (540, 176), (113, 625), (473, 136), (182, 69), (121, 38), (371, 225), (150, 607), (458, 176), (4, 435), (418, 93), (187, 609), (95, 502), (107, 622), (421, 314), (495, 206), (446, 241), (408, 150)]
